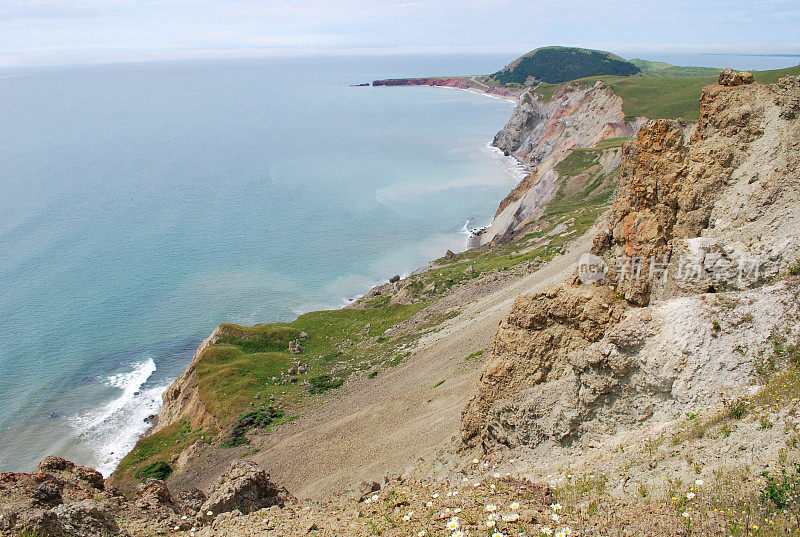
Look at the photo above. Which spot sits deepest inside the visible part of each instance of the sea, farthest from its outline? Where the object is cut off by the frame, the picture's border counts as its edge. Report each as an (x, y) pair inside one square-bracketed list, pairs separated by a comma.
[(143, 204)]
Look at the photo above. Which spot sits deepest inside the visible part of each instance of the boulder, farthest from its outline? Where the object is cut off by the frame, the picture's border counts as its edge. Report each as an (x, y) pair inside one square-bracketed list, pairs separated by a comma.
[(366, 489), (48, 493), (404, 296), (394, 279), (87, 518), (91, 476), (190, 501), (729, 77), (449, 254), (153, 494), (31, 522), (55, 464), (246, 487)]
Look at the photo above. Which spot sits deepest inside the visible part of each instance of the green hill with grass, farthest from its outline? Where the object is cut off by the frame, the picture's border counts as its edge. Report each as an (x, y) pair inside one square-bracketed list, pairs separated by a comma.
[(560, 64), (661, 90)]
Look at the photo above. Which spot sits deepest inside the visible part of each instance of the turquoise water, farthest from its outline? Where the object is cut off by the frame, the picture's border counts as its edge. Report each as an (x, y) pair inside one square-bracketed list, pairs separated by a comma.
[(144, 204)]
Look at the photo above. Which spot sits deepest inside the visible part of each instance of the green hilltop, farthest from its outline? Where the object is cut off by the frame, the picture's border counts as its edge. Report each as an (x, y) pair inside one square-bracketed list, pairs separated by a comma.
[(651, 89), (560, 64)]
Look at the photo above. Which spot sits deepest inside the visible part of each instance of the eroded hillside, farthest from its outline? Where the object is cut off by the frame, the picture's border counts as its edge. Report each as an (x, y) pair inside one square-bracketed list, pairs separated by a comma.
[(627, 364)]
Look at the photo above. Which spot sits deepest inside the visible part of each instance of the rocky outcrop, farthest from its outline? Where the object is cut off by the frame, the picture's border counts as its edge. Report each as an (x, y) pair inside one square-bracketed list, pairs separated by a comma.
[(700, 209), (729, 77), (246, 488), (59, 499), (182, 398), (708, 199), (64, 500), (532, 349), (541, 133)]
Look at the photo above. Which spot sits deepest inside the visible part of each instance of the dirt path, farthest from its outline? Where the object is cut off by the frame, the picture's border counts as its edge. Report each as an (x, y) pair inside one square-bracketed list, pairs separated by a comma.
[(373, 427)]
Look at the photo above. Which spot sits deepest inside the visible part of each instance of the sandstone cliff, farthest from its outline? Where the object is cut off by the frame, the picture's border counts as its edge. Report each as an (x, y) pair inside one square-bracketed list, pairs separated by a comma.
[(700, 209), (541, 133), (181, 400)]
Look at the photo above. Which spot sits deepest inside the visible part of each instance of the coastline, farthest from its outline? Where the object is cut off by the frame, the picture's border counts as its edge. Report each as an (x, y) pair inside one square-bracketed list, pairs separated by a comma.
[(516, 168)]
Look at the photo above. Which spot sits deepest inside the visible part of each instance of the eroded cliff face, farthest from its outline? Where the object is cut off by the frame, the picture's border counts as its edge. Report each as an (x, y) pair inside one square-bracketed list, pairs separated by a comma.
[(723, 192), (700, 209), (182, 398), (541, 133)]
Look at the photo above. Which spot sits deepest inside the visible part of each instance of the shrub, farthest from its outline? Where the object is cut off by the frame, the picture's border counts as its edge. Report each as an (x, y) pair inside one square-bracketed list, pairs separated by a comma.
[(257, 419), (156, 470), (323, 383), (782, 491), (737, 410)]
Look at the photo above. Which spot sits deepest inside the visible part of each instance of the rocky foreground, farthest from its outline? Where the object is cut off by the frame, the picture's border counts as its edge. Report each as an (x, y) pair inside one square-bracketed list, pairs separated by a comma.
[(651, 390)]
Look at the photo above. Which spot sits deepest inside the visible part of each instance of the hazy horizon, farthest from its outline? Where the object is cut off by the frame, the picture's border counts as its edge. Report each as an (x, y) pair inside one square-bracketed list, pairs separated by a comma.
[(59, 32)]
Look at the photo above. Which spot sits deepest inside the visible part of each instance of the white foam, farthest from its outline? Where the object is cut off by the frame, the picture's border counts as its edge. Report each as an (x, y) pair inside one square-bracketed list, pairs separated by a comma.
[(112, 431), (511, 165)]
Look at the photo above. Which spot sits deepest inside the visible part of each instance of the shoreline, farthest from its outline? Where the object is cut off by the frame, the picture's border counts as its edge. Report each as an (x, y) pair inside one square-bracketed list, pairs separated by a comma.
[(469, 234)]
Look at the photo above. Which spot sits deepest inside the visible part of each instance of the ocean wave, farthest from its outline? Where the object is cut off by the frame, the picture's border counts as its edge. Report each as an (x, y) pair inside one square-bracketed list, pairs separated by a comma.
[(112, 431), (511, 165)]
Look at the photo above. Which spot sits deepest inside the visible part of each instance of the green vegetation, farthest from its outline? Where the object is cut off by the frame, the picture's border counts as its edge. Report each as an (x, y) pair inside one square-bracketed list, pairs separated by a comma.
[(794, 270), (250, 364), (439, 383), (257, 419), (668, 91), (608, 143), (158, 448), (473, 355), (584, 184), (667, 70), (560, 64), (323, 383), (583, 195), (155, 470), (737, 410), (782, 491), (772, 76)]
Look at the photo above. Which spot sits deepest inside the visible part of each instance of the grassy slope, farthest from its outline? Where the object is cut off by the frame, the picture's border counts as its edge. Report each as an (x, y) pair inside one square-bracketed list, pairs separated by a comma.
[(247, 369), (253, 361), (664, 91)]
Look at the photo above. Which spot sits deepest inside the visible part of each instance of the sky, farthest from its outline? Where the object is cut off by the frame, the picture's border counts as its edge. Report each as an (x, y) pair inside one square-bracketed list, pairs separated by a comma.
[(48, 32)]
